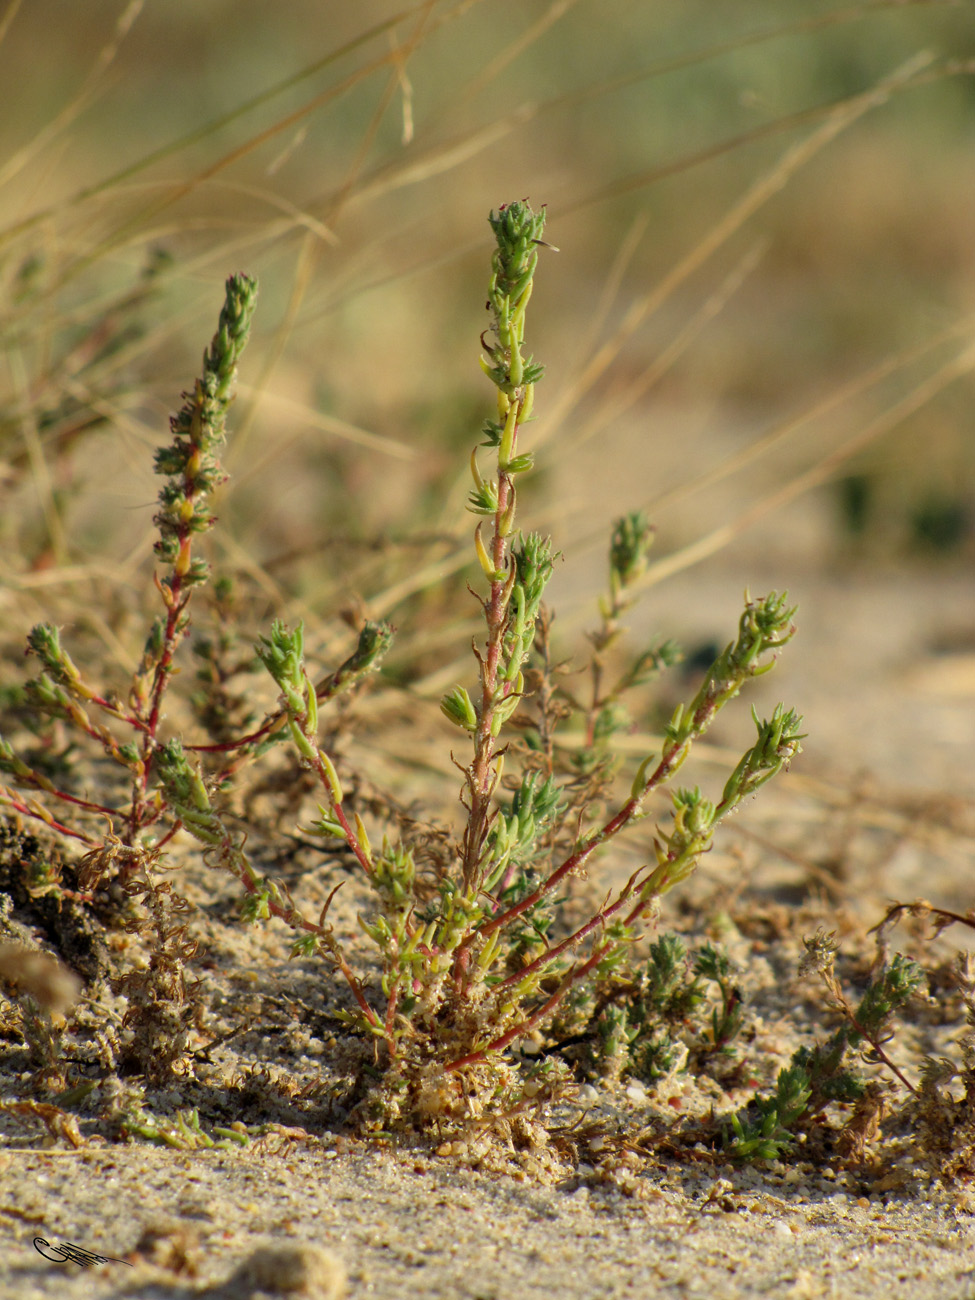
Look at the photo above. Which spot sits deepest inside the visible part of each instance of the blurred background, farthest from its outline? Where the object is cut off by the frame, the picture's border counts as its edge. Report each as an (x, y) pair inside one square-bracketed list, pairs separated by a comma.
[(758, 325)]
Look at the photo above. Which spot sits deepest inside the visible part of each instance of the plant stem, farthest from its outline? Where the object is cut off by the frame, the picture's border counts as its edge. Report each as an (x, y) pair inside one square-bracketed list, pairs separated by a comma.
[(517, 230), (194, 473), (765, 626), (37, 812), (482, 774)]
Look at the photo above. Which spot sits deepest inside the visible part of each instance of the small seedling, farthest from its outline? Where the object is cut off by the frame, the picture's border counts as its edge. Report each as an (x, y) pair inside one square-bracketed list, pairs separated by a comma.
[(823, 1074), (668, 1017)]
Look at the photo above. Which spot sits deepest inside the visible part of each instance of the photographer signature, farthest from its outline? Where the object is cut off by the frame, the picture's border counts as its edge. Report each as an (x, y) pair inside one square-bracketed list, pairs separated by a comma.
[(67, 1253)]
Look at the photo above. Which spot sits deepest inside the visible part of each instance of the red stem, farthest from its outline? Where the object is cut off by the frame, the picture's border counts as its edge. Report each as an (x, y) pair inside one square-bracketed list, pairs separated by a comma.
[(26, 811), (293, 917), (100, 808), (574, 860), (504, 1040), (572, 977), (594, 923), (129, 719), (176, 600), (352, 839), (669, 762), (480, 772)]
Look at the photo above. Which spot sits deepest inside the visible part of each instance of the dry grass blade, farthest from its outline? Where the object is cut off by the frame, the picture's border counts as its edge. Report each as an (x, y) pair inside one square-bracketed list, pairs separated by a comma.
[(616, 405), (9, 14), (839, 118), (833, 400), (91, 87), (496, 66), (201, 134), (820, 473)]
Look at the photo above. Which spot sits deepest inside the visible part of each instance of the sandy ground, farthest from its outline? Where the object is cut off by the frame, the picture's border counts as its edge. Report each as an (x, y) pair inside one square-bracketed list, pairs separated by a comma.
[(406, 1227)]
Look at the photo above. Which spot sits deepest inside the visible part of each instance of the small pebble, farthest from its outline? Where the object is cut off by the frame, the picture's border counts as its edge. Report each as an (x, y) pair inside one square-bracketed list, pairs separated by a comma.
[(290, 1268), (48, 981)]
